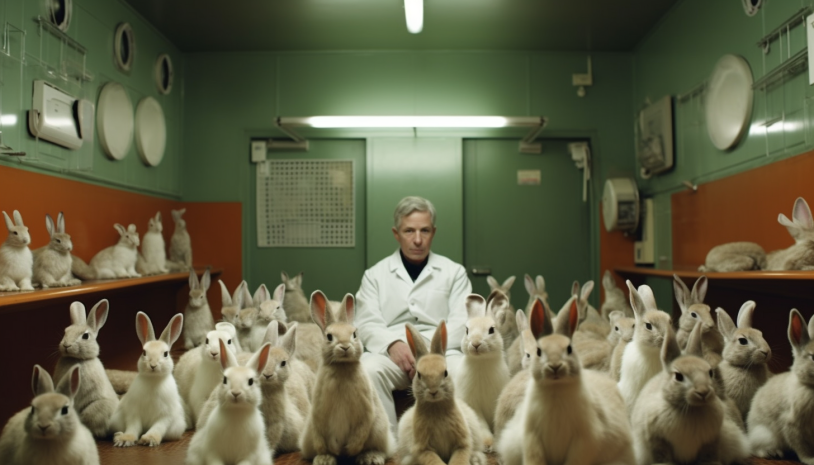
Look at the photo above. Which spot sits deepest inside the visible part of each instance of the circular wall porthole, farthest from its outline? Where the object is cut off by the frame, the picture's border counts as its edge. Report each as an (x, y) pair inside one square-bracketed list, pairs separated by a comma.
[(163, 73), (751, 7), (124, 47), (59, 13)]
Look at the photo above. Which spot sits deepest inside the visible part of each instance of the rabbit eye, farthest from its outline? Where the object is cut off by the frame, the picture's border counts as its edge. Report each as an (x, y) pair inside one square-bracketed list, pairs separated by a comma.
[(569, 349), (85, 336), (166, 353), (282, 364), (224, 380), (144, 353), (15, 233), (330, 337), (648, 326), (528, 355), (446, 373), (65, 410), (711, 374), (539, 352), (354, 334), (207, 341), (59, 241), (679, 377), (694, 315), (467, 331), (229, 341), (616, 328), (33, 410), (251, 381), (743, 341), (492, 330), (419, 377)]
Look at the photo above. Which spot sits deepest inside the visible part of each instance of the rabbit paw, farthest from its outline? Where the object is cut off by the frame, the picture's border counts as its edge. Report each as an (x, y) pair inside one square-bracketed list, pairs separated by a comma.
[(324, 459), (150, 439), (124, 440), (371, 457), (477, 458)]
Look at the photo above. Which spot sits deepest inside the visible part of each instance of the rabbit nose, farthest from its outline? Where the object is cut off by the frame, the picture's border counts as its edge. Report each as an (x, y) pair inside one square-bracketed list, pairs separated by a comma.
[(703, 394), (345, 348), (153, 366), (235, 394), (42, 428), (555, 367), (433, 393), (213, 354)]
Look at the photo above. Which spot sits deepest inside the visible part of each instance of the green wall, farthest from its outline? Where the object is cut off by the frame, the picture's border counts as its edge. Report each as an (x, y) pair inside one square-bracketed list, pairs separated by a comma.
[(32, 53)]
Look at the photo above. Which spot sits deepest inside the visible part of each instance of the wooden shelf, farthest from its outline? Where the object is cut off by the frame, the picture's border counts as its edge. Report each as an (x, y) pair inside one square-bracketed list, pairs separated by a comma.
[(739, 275)]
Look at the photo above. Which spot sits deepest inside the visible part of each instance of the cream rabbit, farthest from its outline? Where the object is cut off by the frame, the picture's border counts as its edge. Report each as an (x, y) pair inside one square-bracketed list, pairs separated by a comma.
[(513, 393), (483, 372), (679, 418), (694, 310), (597, 353), (799, 256), (302, 378), (52, 263), (231, 304), (569, 414), (197, 315), (734, 256), (96, 400), (118, 261), (745, 359), (535, 288), (641, 358), (49, 432), (347, 418), (235, 432), (16, 259), (780, 416), (593, 320), (152, 405), (296, 305), (250, 328), (153, 258), (622, 329), (180, 257), (437, 428), (506, 324), (615, 298)]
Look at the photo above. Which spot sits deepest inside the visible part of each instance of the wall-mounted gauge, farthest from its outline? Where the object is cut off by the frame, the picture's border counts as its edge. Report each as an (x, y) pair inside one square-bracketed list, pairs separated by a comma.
[(124, 47)]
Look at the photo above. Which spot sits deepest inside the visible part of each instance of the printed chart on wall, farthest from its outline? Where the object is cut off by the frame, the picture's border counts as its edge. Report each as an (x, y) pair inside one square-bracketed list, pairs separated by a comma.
[(305, 203)]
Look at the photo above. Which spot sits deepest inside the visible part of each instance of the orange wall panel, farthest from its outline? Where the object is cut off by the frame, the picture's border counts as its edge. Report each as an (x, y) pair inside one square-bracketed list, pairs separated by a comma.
[(615, 250)]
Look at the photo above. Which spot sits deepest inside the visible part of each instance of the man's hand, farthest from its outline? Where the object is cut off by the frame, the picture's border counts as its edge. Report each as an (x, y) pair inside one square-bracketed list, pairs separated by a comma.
[(401, 355)]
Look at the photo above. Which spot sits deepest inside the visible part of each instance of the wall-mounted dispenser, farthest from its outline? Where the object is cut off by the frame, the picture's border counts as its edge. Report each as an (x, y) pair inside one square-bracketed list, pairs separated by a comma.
[(58, 117)]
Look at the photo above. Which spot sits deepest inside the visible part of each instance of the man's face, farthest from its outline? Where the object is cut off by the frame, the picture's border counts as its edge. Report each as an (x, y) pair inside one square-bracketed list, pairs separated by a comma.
[(415, 236)]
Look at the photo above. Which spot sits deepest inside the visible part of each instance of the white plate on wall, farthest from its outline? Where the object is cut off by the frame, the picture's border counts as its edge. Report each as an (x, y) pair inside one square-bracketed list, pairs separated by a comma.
[(151, 131), (729, 101), (114, 120)]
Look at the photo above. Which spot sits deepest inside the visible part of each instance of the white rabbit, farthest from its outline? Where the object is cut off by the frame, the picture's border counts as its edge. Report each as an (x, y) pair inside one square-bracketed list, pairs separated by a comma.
[(569, 414), (615, 298), (231, 304), (49, 432), (197, 315), (535, 288), (152, 405), (641, 359), (198, 371), (437, 429), (347, 418), (507, 327), (180, 257), (52, 263), (734, 256), (235, 432), (679, 417), (622, 329), (153, 258), (250, 328), (296, 304), (270, 306), (593, 320), (506, 324), (745, 359), (513, 393), (780, 417), (96, 400), (16, 259), (799, 256), (117, 261), (302, 378), (694, 310)]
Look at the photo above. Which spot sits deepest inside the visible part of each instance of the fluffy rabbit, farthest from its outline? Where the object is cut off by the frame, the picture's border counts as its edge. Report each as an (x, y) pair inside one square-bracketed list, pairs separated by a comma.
[(641, 358), (506, 324), (513, 393), (198, 372), (593, 320), (197, 315), (16, 259), (780, 417), (799, 256), (117, 261), (96, 400), (153, 258), (231, 305), (615, 298), (250, 327), (152, 405), (483, 372), (597, 353), (622, 329), (437, 429), (734, 256), (569, 414), (347, 418), (694, 310), (535, 288), (270, 305), (745, 359), (235, 432), (180, 258), (50, 431), (52, 263), (679, 417), (296, 305), (302, 378)]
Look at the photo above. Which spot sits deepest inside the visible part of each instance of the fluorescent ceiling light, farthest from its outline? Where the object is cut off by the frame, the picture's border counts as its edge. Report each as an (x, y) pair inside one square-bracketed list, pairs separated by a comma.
[(414, 13), (407, 121)]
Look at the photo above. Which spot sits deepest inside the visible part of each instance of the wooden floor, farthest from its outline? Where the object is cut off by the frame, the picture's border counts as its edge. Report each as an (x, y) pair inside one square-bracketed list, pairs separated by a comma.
[(174, 453)]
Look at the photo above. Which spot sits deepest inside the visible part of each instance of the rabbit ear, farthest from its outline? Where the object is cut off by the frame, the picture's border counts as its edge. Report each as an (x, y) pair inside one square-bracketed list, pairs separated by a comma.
[(120, 228), (497, 302), (507, 284), (725, 323), (586, 290), (319, 310), (260, 358), (615, 315), (98, 315), (648, 297), (607, 280), (206, 280), (261, 295), (669, 349), (176, 215), (415, 341), (78, 313), (246, 299), (144, 328), (522, 322), (9, 224), (575, 288), (636, 301), (227, 358), (238, 296), (745, 314), (272, 333), (227, 328), (699, 289), (279, 294), (540, 283), (41, 382), (173, 330), (348, 305), (193, 280), (438, 345), (69, 384), (475, 305), (225, 298), (18, 218), (492, 282), (298, 279), (49, 225), (529, 283), (61, 223), (694, 342), (682, 293), (284, 276), (289, 339), (801, 214), (798, 332), (569, 317), (158, 217), (539, 320)]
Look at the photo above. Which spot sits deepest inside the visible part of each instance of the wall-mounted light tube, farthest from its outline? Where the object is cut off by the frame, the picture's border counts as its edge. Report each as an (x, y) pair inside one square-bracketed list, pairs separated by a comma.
[(411, 121), (414, 14)]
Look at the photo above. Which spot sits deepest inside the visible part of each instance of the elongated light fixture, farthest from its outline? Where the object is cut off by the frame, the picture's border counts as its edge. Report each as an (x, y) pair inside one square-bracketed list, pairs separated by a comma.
[(414, 13), (407, 121)]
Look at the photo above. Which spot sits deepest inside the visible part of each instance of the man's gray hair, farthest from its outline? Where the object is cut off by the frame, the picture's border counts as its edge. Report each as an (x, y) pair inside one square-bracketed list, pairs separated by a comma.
[(411, 204)]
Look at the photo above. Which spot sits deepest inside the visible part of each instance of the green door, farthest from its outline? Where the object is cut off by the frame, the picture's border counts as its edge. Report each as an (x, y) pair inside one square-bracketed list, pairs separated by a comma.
[(536, 228)]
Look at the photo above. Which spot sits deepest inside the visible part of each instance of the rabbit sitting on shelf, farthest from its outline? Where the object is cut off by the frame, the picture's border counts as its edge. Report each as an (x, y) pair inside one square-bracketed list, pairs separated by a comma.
[(16, 259)]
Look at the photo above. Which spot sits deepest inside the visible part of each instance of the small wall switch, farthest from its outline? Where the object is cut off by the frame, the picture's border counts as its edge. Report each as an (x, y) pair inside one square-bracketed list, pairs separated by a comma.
[(259, 149), (582, 79)]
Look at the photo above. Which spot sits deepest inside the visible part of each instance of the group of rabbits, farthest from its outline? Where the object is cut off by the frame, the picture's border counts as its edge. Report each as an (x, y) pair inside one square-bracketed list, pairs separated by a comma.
[(53, 265), (745, 256)]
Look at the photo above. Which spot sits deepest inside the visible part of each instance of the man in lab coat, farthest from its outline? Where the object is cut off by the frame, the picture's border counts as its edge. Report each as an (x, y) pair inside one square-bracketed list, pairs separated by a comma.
[(413, 285)]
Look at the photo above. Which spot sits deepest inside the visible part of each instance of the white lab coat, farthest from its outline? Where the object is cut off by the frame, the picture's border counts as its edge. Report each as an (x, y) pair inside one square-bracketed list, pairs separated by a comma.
[(388, 298)]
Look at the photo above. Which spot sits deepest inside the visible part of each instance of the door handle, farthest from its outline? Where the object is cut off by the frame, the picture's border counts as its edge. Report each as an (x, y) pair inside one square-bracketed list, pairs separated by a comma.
[(481, 270)]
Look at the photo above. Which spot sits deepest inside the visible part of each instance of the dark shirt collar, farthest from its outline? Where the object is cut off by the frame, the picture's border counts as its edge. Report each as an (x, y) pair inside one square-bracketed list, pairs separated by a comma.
[(412, 269)]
